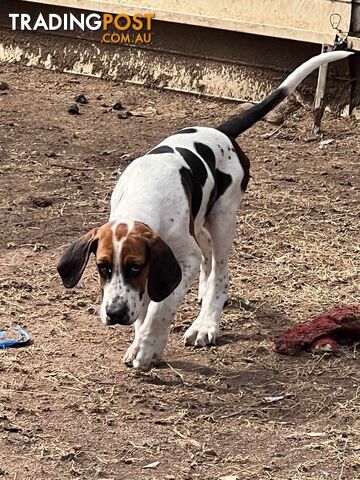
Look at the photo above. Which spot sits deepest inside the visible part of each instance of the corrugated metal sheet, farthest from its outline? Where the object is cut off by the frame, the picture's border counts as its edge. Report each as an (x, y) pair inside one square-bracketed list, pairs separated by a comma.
[(304, 20)]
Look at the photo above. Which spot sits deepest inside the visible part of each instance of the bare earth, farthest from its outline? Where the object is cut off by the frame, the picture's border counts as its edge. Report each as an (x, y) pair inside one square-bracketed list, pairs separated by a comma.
[(69, 408)]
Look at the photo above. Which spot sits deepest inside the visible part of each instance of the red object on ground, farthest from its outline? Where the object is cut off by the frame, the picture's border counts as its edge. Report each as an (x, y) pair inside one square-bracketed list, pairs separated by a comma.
[(340, 325), (324, 345)]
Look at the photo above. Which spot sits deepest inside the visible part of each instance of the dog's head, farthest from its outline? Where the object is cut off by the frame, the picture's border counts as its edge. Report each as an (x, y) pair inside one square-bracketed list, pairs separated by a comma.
[(132, 262)]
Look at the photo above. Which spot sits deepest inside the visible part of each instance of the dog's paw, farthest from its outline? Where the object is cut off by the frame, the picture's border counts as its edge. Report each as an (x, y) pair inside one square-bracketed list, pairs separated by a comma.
[(201, 334), (130, 355), (143, 355), (146, 359)]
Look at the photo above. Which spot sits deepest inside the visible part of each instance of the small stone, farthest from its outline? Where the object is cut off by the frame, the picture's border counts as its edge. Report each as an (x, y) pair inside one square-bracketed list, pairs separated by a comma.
[(80, 98), (74, 110), (275, 118), (117, 106), (4, 86)]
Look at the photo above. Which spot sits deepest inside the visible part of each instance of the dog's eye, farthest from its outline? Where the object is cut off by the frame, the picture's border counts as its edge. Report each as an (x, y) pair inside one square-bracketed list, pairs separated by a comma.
[(104, 270), (133, 270)]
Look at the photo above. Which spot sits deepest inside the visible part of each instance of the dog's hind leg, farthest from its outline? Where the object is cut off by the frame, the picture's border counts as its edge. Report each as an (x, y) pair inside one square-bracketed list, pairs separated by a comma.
[(204, 241), (221, 224)]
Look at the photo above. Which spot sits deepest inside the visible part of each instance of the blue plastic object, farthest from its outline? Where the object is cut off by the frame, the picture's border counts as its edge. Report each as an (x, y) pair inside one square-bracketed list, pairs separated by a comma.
[(20, 338)]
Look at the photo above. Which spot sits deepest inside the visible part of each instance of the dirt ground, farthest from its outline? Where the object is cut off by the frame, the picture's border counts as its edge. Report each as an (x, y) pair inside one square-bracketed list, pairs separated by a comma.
[(69, 407)]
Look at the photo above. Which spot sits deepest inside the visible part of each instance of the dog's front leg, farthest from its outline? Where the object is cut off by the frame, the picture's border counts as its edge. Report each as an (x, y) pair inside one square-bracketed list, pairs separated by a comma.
[(133, 350), (152, 335)]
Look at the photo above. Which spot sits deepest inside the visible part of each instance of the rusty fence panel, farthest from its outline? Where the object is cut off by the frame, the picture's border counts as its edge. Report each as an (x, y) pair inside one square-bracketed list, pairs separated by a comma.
[(303, 20)]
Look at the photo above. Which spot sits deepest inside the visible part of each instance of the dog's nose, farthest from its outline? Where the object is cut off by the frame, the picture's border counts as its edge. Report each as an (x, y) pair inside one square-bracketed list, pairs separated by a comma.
[(118, 314)]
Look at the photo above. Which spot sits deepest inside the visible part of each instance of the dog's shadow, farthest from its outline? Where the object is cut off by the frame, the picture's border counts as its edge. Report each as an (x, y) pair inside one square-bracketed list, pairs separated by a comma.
[(178, 368), (221, 378)]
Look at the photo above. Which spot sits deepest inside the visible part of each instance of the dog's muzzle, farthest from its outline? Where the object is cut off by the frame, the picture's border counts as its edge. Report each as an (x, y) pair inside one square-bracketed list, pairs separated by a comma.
[(118, 314)]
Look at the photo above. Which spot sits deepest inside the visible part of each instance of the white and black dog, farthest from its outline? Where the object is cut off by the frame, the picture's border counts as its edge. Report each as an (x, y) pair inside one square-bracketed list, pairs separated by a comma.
[(173, 213)]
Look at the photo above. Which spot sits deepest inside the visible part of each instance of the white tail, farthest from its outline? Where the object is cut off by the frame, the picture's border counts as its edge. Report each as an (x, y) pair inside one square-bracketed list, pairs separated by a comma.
[(237, 125), (298, 75)]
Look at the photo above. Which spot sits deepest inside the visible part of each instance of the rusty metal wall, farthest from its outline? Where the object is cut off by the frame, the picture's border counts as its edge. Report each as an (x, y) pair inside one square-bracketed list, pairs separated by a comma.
[(303, 20)]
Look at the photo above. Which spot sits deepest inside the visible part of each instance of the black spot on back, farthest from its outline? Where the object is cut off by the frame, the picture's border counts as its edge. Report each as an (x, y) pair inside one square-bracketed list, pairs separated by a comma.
[(186, 130), (161, 149), (207, 155), (245, 163), (222, 182), (197, 167), (192, 189)]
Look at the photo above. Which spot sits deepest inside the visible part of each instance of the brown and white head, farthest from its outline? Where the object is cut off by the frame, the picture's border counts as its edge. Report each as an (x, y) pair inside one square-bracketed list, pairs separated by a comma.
[(134, 265)]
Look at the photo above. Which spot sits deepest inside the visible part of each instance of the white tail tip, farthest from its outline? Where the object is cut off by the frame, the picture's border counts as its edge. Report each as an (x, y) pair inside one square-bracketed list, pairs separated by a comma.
[(298, 75)]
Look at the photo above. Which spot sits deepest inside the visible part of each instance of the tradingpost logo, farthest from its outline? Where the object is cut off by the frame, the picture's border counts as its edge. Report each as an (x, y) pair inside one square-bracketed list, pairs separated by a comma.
[(114, 28)]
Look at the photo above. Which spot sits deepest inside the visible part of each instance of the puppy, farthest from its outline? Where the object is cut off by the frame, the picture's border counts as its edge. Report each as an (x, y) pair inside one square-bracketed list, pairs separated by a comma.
[(173, 212)]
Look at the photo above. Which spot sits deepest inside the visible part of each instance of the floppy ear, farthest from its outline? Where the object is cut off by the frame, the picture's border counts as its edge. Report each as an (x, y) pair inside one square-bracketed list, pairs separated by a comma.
[(164, 273), (73, 261)]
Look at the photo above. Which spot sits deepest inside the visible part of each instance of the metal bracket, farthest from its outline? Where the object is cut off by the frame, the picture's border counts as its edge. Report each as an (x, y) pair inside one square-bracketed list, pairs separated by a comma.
[(340, 43), (319, 105)]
